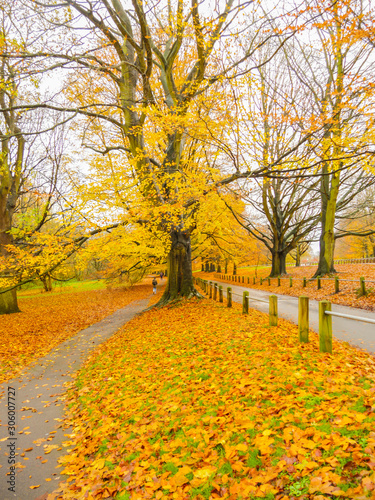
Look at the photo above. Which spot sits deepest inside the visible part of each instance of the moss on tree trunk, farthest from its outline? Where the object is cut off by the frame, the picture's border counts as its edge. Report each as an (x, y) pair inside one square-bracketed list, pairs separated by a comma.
[(8, 302), (8, 299), (327, 237), (180, 274), (278, 264)]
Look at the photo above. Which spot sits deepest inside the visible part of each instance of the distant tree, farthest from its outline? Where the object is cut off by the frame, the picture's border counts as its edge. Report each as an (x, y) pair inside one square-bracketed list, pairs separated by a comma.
[(282, 206)]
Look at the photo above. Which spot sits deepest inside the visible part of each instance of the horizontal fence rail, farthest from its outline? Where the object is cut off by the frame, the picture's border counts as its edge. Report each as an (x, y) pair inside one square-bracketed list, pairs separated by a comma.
[(350, 316), (325, 312)]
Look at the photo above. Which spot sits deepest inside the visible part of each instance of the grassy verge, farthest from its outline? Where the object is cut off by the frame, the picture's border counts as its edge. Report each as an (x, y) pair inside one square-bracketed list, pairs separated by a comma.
[(199, 401), (63, 287)]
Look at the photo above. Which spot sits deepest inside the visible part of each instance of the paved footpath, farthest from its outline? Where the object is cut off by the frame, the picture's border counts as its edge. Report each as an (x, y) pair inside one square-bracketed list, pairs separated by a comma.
[(357, 333), (37, 442)]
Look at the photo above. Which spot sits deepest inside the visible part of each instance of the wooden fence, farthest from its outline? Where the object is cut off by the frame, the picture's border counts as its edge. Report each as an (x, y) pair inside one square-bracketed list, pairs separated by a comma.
[(253, 280), (215, 291)]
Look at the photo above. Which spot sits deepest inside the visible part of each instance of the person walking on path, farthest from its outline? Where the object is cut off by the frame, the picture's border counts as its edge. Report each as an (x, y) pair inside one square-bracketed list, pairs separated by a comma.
[(154, 284), (161, 274)]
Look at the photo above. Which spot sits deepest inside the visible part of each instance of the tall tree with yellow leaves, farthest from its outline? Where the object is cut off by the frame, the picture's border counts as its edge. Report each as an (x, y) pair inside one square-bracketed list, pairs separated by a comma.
[(152, 65)]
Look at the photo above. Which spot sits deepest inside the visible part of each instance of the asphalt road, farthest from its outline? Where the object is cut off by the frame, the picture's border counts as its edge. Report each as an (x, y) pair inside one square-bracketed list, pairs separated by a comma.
[(357, 333)]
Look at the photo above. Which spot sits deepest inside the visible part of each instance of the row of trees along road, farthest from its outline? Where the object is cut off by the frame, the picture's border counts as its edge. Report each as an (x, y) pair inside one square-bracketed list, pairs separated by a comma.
[(319, 80), (179, 104)]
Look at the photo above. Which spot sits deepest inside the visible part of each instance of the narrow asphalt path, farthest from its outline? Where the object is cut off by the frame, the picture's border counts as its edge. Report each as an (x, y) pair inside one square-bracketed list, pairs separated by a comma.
[(357, 333), (35, 445)]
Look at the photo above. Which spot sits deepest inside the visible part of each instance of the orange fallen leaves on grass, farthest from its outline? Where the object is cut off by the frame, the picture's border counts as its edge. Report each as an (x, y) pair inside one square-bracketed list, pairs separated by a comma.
[(47, 320), (201, 401)]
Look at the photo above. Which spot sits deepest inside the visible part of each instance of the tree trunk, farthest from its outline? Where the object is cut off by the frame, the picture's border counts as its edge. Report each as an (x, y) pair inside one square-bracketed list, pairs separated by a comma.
[(47, 282), (298, 256), (180, 276), (327, 237), (8, 300), (330, 184), (278, 264), (372, 243)]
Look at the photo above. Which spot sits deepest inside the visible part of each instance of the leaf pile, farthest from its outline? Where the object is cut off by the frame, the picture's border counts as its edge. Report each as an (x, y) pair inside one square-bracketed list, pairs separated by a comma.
[(47, 320), (201, 401), (348, 289)]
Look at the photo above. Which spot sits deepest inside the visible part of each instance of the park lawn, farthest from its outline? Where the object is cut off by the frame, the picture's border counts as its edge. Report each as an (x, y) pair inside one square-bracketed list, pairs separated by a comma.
[(63, 287), (348, 289), (198, 401), (48, 319)]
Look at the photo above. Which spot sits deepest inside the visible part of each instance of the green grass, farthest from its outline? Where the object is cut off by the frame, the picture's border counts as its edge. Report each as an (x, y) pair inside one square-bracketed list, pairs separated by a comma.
[(63, 287)]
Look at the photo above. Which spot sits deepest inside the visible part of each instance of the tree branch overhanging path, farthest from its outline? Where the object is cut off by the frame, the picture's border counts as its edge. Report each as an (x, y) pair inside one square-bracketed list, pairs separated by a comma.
[(149, 82)]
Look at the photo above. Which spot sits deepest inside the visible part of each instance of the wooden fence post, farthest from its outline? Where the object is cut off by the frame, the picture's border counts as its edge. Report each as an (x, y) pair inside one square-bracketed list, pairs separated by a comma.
[(278, 281), (304, 283), (220, 293), (245, 303), (210, 289), (215, 291), (248, 280), (337, 285), (362, 286), (318, 283), (273, 310), (243, 279), (325, 327), (261, 281), (303, 319), (269, 281), (254, 280), (290, 282), (229, 297)]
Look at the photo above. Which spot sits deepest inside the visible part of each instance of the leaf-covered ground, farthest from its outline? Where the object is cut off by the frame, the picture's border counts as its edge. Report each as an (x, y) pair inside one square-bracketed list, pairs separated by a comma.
[(200, 401), (47, 320), (348, 289)]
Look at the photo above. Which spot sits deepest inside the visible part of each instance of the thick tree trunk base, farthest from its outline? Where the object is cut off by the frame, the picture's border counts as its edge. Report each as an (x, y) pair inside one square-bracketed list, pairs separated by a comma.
[(180, 276), (324, 271), (171, 299), (8, 302)]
